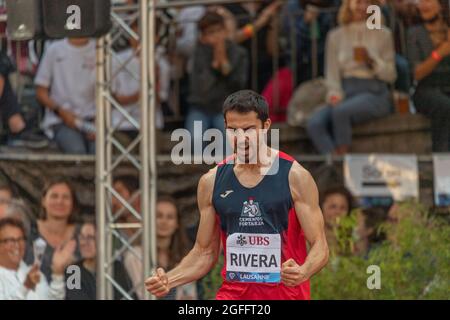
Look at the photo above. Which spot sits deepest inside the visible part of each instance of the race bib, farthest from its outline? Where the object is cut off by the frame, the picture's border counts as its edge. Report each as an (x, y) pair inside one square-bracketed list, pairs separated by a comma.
[(253, 257)]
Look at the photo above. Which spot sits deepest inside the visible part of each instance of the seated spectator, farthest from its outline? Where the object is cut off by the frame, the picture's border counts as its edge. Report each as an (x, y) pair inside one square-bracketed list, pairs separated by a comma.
[(186, 20), (6, 195), (429, 55), (219, 69), (250, 24), (126, 88), (309, 24), (19, 281), (359, 65), (65, 85), (399, 15), (10, 112), (57, 222), (88, 267), (336, 203)]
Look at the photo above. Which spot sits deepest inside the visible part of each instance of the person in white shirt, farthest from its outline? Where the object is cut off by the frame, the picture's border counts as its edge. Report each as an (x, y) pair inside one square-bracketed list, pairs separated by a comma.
[(65, 85), (21, 282), (126, 87), (360, 63)]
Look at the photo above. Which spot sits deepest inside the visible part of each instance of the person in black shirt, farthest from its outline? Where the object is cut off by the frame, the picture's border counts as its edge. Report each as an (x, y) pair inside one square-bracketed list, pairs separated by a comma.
[(10, 111), (87, 289)]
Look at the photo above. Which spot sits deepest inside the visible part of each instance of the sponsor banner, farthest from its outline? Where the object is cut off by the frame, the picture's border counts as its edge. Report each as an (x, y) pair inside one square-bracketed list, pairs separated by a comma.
[(441, 163), (379, 175)]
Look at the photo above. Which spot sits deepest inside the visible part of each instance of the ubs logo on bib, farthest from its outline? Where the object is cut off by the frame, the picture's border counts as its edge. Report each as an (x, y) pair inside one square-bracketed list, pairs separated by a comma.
[(251, 214)]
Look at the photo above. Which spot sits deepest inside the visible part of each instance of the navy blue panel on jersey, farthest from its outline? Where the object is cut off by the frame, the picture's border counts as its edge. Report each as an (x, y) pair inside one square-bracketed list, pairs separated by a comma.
[(262, 209)]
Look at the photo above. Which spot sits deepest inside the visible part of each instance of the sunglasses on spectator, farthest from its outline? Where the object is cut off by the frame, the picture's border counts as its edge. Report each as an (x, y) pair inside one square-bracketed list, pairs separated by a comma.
[(11, 241)]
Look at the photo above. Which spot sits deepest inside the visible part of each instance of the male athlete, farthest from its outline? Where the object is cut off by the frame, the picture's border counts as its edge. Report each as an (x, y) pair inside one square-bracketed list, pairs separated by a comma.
[(262, 220)]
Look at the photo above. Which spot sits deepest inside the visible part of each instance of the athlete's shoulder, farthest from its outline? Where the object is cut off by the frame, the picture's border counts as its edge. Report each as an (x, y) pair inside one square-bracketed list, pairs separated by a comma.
[(207, 180), (206, 187), (299, 175)]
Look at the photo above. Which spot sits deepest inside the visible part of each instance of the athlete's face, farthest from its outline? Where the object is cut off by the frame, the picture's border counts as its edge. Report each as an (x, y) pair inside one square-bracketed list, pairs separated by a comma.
[(245, 132), (335, 206), (166, 219)]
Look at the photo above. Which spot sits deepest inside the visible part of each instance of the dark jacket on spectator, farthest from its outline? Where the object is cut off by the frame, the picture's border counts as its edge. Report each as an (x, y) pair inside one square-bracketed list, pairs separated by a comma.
[(209, 87), (88, 290), (9, 105)]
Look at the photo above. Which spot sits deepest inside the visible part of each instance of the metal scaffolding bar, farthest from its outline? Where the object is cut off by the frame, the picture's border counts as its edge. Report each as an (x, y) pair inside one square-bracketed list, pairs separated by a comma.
[(112, 153)]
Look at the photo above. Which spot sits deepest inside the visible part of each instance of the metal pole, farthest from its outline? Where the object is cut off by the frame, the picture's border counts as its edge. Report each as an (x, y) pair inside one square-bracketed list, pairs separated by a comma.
[(108, 177), (145, 55), (151, 241), (100, 162)]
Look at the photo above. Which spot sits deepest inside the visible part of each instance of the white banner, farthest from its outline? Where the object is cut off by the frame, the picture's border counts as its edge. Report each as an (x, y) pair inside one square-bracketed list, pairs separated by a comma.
[(441, 164), (382, 175)]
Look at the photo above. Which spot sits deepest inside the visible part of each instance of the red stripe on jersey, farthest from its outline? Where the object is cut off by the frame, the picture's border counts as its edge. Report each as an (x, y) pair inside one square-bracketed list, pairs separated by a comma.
[(226, 160), (285, 156)]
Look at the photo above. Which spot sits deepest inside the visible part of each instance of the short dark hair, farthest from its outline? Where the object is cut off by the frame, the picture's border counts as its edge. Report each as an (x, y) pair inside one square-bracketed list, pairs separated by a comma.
[(343, 191), (210, 19), (246, 101), (129, 181), (12, 222)]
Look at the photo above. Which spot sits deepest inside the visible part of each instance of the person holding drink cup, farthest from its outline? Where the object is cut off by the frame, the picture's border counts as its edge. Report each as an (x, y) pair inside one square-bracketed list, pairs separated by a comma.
[(360, 65)]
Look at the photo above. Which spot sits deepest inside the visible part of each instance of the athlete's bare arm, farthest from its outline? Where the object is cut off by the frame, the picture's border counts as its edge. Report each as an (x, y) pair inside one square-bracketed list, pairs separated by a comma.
[(202, 258), (306, 201)]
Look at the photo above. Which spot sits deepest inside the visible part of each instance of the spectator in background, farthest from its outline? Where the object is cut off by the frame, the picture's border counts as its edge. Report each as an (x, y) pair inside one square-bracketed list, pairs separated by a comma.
[(10, 207), (57, 222), (399, 15), (359, 65), (250, 24), (126, 87), (429, 55), (10, 112), (186, 20), (88, 267), (309, 24), (172, 244), (6, 195), (126, 186), (65, 85), (187, 32), (220, 68), (19, 281), (337, 202)]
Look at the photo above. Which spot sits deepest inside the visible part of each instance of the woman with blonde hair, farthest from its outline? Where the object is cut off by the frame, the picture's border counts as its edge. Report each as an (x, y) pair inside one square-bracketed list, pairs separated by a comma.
[(360, 63)]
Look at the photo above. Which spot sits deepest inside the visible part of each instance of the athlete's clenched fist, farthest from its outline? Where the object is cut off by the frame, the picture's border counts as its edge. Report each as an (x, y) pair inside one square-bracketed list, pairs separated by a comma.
[(158, 284), (292, 274)]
